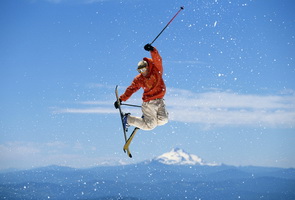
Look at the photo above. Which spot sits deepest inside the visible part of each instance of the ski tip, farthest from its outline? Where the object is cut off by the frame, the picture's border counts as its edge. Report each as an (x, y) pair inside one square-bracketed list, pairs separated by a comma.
[(182, 7)]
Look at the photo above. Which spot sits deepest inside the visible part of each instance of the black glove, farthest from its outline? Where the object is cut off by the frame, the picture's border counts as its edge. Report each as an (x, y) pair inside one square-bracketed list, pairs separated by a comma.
[(117, 104), (148, 47)]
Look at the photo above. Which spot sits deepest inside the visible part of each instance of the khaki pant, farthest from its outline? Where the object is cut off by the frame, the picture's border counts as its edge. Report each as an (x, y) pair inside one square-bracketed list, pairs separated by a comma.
[(154, 114)]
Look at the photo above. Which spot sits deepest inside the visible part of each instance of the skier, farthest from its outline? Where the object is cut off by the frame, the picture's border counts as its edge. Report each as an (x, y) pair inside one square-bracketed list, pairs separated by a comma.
[(150, 79)]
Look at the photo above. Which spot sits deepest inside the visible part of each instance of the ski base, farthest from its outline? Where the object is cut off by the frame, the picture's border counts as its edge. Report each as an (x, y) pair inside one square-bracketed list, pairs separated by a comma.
[(126, 146)]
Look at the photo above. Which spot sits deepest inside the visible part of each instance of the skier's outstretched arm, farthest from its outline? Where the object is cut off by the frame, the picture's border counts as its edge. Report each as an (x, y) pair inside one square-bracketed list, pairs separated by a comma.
[(130, 90), (157, 59)]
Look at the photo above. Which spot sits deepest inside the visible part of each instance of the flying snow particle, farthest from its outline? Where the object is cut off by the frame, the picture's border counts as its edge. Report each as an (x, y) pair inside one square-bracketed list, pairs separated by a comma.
[(215, 23)]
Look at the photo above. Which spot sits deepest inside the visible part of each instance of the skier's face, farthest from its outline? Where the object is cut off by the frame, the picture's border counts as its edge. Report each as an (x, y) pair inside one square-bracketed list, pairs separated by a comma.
[(144, 71)]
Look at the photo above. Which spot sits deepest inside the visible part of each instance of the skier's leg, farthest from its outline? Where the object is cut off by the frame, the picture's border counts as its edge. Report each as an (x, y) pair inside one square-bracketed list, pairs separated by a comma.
[(162, 113), (149, 120)]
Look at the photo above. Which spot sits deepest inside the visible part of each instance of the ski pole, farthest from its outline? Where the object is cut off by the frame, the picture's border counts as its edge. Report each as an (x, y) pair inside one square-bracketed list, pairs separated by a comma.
[(124, 104), (181, 8)]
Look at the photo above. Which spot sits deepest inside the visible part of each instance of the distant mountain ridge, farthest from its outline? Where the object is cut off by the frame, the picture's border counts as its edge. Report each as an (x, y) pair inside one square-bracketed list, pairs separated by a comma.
[(172, 175)]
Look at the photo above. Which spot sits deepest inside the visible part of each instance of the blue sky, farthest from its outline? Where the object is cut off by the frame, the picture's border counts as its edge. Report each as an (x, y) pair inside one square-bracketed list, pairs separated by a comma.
[(229, 69)]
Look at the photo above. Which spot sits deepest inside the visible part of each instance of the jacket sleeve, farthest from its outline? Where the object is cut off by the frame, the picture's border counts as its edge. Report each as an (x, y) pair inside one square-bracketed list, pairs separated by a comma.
[(157, 59), (135, 85)]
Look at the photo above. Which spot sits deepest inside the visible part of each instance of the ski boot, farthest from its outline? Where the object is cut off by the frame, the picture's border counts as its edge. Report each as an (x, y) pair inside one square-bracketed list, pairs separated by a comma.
[(125, 122)]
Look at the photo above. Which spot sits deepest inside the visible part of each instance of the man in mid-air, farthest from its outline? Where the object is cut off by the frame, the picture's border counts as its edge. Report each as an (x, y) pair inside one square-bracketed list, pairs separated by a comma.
[(151, 81)]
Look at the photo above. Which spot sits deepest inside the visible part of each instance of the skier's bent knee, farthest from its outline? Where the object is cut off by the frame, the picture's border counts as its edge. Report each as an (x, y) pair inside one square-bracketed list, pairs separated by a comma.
[(151, 125), (162, 122)]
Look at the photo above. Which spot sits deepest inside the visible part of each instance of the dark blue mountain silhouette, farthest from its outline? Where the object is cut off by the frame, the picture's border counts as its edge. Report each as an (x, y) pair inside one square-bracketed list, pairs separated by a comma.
[(150, 180)]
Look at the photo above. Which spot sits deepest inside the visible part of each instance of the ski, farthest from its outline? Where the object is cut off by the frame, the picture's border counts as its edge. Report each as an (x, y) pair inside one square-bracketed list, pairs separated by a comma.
[(127, 140), (126, 146)]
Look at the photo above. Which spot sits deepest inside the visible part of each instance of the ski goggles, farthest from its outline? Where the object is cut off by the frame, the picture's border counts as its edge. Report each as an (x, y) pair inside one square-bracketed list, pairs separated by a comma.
[(142, 70)]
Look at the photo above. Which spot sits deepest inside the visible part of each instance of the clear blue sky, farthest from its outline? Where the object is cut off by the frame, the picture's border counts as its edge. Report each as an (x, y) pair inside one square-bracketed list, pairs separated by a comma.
[(229, 69)]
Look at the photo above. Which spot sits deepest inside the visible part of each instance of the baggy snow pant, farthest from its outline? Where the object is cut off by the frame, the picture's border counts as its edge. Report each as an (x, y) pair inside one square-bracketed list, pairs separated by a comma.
[(154, 114)]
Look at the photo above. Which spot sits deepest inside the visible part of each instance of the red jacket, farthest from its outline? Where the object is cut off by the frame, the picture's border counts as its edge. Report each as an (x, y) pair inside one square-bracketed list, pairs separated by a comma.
[(153, 84)]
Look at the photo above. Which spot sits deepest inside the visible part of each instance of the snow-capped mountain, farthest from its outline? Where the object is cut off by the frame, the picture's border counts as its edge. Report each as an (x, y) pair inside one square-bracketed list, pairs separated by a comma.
[(178, 156), (145, 181)]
